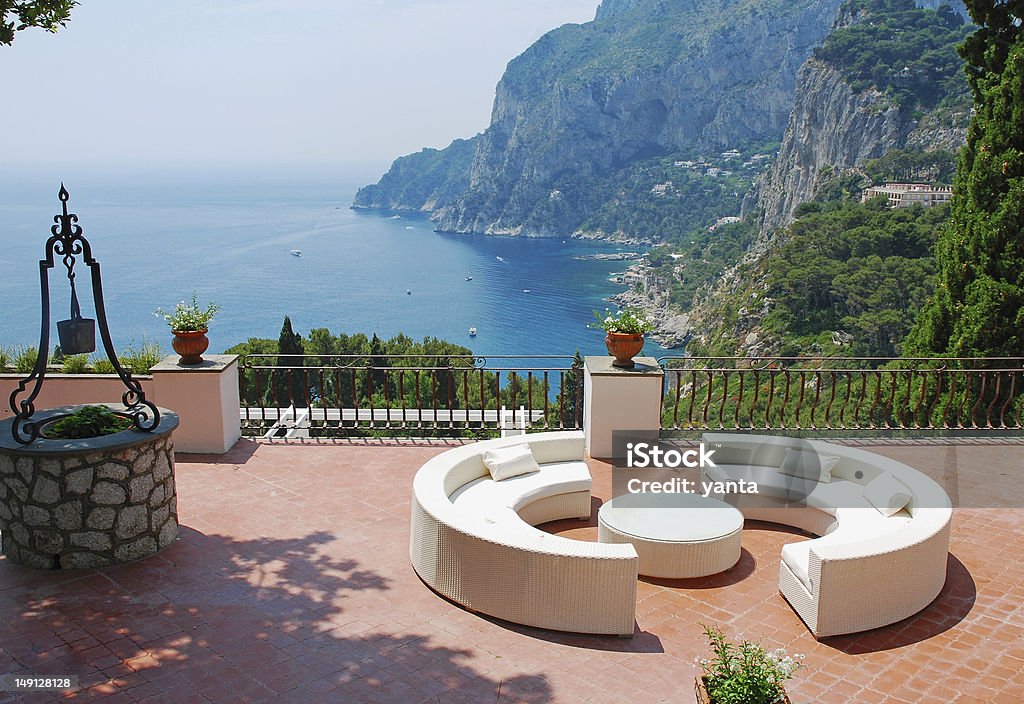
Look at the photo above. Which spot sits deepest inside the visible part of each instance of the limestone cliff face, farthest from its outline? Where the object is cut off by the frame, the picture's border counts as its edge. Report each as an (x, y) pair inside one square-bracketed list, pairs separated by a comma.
[(834, 127), (831, 126), (646, 77)]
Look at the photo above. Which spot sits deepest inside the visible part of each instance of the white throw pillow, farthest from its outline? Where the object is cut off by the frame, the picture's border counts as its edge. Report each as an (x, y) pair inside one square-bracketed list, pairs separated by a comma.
[(807, 464), (888, 494), (510, 462)]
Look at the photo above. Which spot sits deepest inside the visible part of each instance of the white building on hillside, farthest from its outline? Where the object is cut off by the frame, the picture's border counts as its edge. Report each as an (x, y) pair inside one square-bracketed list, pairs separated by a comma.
[(904, 195)]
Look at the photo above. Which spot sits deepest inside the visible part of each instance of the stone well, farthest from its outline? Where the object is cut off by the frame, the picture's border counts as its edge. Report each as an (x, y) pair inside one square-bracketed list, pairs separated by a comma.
[(67, 504)]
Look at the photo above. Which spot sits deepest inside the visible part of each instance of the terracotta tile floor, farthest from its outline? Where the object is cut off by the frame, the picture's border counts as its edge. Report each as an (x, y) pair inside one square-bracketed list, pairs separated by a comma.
[(291, 583)]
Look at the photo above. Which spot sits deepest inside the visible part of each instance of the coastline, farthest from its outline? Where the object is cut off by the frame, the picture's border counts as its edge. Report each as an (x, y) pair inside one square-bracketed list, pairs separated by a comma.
[(672, 329)]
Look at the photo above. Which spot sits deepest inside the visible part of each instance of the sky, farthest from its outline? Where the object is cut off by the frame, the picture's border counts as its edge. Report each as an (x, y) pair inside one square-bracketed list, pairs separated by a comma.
[(263, 81)]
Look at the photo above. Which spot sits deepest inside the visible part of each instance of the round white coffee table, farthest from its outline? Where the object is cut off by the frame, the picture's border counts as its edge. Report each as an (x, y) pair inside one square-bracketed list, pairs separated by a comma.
[(677, 536)]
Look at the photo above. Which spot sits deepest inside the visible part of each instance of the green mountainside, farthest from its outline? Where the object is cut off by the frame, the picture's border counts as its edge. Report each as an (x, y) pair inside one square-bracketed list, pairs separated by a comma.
[(848, 279), (904, 51), (839, 276)]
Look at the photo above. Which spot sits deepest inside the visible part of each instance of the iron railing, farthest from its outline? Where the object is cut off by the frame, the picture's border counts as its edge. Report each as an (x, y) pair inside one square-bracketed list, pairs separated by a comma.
[(408, 395), (977, 395)]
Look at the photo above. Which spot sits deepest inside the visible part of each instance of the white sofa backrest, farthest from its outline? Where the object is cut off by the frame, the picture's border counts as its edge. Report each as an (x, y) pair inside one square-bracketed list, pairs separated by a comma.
[(858, 466), (462, 465)]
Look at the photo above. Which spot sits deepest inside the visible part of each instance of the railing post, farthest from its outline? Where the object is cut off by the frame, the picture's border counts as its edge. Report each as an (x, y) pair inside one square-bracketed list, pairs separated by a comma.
[(205, 397), (618, 400)]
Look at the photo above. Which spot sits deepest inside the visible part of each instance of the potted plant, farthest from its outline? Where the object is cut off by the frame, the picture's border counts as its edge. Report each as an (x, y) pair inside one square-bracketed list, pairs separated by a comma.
[(744, 673), (624, 334), (190, 323)]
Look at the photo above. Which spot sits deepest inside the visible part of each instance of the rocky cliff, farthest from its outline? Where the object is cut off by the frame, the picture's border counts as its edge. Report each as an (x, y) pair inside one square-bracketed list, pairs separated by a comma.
[(645, 78), (421, 181), (831, 127), (837, 125), (840, 121)]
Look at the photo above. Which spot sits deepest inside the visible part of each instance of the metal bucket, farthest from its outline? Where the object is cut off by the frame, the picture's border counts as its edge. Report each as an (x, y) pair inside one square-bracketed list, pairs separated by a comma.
[(77, 336)]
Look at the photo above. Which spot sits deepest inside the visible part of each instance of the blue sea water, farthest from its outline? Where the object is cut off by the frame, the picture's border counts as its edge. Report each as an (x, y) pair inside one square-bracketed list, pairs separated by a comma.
[(160, 234)]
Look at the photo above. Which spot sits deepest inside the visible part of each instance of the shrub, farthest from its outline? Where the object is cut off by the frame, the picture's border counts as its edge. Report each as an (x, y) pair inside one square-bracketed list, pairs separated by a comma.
[(25, 359), (102, 365), (141, 360), (76, 364), (745, 673)]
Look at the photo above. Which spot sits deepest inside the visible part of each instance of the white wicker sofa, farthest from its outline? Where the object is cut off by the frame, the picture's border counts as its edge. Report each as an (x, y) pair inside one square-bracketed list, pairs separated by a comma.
[(866, 570), (473, 540)]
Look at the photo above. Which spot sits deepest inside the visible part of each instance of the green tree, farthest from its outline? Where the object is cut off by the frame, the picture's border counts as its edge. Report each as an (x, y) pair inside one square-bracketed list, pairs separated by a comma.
[(288, 385), (382, 384), (570, 396), (978, 305), (16, 15)]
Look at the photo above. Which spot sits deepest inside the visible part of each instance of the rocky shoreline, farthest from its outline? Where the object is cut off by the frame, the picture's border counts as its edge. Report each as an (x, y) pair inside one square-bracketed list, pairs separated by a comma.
[(672, 328)]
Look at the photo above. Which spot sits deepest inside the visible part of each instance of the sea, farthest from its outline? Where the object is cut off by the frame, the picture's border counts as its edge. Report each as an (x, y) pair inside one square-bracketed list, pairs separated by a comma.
[(227, 234)]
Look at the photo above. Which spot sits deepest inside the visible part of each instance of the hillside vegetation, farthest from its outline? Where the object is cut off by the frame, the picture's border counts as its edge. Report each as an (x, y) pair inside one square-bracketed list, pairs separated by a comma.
[(904, 51)]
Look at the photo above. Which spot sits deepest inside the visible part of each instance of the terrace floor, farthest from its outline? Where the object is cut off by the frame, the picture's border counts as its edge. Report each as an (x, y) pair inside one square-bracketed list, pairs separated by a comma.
[(291, 582)]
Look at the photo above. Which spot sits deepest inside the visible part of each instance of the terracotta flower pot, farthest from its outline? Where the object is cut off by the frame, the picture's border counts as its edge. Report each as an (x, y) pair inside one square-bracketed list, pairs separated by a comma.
[(704, 698), (190, 344), (624, 346)]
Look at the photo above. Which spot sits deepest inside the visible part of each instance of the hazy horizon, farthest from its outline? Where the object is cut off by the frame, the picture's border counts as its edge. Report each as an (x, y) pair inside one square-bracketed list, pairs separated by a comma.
[(248, 82)]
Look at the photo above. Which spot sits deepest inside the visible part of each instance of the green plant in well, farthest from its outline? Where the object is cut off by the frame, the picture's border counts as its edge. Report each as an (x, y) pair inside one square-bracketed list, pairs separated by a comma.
[(88, 422), (76, 364), (631, 321), (189, 317), (25, 359), (745, 672)]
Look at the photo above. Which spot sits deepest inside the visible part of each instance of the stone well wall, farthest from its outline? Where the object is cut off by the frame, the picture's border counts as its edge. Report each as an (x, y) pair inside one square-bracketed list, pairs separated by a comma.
[(88, 503)]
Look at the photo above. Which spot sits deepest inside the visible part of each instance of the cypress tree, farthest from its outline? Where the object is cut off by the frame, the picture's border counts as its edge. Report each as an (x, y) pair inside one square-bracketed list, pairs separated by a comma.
[(288, 384), (978, 305)]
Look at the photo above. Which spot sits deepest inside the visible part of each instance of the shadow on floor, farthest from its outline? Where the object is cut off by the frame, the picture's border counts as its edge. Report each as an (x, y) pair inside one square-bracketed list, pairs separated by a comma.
[(951, 606), (743, 568), (218, 618)]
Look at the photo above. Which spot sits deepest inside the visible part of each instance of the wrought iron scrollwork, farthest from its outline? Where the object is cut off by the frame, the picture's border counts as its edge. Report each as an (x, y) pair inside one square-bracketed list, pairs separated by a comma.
[(67, 241)]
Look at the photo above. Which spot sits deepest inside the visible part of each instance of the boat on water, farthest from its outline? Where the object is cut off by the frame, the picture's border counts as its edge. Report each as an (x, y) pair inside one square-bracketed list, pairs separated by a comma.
[(499, 259), (469, 278), (408, 292), (472, 332), (526, 290), (295, 252)]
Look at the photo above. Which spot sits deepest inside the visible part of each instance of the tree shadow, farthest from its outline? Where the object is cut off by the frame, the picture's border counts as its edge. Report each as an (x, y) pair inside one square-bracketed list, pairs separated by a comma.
[(951, 606), (222, 619)]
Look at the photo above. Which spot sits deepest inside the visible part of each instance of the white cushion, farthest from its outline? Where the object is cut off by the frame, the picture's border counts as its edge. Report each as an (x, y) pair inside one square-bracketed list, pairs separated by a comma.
[(855, 524), (887, 494), (807, 464), (835, 495), (507, 462), (501, 499)]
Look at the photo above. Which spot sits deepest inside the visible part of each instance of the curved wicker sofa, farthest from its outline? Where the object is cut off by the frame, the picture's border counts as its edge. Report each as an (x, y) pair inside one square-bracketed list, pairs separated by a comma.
[(865, 570), (473, 541)]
